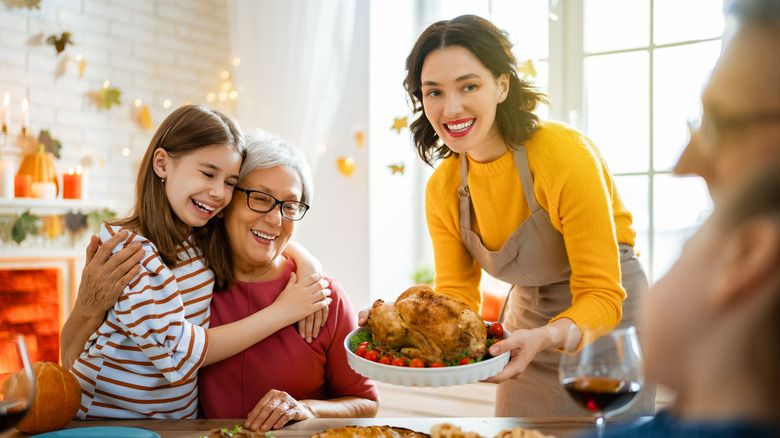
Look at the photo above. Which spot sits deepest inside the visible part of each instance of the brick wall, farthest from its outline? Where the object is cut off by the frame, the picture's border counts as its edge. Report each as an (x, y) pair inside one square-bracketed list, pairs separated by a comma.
[(152, 50)]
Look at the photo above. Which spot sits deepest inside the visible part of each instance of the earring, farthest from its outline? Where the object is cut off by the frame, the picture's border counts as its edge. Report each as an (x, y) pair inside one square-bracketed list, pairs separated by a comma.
[(162, 180)]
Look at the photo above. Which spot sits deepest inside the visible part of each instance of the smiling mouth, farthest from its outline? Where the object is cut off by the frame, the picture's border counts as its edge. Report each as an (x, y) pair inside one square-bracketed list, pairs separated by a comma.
[(203, 207), (263, 235), (457, 128)]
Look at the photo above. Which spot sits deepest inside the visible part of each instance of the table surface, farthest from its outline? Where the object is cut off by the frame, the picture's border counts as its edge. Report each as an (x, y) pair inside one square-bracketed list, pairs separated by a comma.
[(487, 427)]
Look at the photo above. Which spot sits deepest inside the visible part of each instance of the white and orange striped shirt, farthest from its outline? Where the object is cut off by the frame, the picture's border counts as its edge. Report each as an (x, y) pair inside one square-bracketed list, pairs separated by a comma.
[(143, 360)]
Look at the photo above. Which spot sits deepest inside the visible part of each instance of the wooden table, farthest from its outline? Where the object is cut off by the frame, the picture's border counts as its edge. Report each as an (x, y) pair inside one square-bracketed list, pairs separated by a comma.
[(487, 427)]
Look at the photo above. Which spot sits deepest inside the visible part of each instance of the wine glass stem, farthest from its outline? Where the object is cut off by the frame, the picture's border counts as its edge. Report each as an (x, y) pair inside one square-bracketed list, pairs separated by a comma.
[(600, 423)]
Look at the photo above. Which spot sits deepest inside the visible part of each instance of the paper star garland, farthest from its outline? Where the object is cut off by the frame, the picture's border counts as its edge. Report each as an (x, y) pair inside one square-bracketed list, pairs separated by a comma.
[(399, 123), (527, 69), (397, 168)]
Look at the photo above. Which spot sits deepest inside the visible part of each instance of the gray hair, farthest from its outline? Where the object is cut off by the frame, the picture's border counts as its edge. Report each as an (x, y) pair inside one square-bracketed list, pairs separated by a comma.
[(752, 13), (264, 151)]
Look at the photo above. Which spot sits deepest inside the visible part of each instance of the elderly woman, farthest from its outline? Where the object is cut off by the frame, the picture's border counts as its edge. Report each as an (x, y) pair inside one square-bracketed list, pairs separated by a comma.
[(283, 377)]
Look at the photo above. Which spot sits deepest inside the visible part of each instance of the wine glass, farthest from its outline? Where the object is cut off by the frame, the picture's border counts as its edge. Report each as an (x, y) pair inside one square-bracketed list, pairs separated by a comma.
[(17, 382), (605, 374)]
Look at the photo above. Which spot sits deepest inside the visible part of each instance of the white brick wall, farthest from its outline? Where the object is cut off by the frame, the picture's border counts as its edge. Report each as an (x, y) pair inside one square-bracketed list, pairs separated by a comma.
[(151, 50)]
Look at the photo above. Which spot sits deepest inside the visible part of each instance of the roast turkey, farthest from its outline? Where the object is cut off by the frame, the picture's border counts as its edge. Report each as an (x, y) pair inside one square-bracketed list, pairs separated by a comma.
[(430, 326)]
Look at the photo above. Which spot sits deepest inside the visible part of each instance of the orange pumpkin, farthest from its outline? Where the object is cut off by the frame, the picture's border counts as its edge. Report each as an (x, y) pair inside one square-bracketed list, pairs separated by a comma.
[(40, 165), (57, 398)]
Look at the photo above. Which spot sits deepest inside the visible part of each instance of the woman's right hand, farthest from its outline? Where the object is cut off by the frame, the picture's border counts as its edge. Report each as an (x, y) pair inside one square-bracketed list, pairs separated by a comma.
[(363, 316), (300, 299)]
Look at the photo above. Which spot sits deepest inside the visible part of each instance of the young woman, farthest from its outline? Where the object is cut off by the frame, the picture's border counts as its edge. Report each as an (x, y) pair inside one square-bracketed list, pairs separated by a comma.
[(530, 202), (142, 361)]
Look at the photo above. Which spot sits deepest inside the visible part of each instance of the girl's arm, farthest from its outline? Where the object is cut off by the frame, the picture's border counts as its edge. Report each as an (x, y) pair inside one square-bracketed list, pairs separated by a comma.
[(307, 264), (298, 299), (102, 281)]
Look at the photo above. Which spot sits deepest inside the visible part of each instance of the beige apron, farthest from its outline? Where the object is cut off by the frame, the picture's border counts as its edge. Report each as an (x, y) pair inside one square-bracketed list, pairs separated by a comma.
[(535, 261)]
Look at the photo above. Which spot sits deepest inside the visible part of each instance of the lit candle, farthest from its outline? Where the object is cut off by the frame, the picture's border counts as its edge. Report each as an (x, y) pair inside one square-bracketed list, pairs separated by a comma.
[(71, 184), (22, 186), (25, 116), (6, 114), (44, 190)]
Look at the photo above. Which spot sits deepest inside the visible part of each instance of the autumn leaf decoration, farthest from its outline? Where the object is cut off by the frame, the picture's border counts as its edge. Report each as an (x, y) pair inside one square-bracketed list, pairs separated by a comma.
[(59, 43), (24, 225), (50, 144), (32, 4), (110, 96)]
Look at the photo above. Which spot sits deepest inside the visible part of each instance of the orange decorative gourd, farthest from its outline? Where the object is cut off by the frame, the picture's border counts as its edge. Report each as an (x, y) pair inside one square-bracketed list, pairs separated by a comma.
[(40, 165), (57, 398)]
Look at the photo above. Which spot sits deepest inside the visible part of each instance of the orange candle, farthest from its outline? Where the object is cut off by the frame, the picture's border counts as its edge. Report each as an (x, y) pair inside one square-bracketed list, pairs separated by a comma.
[(71, 184), (23, 186)]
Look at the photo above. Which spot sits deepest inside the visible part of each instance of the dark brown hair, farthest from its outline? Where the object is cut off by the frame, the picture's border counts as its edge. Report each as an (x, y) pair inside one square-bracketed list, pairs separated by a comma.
[(514, 116), (185, 130)]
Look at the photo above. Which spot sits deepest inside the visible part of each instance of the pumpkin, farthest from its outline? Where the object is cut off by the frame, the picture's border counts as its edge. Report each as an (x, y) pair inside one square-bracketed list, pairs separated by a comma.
[(57, 398), (40, 165)]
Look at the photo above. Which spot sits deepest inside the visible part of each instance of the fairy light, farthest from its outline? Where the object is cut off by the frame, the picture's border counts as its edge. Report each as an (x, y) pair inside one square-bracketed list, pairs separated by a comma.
[(233, 95), (166, 103), (210, 97), (138, 103), (106, 84), (125, 152), (225, 75)]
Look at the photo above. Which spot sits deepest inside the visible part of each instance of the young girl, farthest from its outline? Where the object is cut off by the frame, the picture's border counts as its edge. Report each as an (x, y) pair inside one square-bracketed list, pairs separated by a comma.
[(142, 361)]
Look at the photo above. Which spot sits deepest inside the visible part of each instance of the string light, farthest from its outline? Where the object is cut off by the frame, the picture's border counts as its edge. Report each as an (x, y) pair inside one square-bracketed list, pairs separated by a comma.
[(166, 103), (138, 103)]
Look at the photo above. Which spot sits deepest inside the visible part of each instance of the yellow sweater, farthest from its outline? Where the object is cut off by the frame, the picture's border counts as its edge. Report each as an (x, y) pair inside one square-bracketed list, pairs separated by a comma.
[(572, 183)]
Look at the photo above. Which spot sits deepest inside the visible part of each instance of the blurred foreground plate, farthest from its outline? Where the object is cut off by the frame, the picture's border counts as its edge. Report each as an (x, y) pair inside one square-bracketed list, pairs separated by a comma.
[(100, 431), (404, 376)]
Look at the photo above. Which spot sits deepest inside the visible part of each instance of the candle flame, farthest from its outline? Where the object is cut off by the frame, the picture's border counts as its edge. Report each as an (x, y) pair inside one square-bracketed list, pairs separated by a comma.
[(71, 171), (6, 99), (79, 170), (25, 104)]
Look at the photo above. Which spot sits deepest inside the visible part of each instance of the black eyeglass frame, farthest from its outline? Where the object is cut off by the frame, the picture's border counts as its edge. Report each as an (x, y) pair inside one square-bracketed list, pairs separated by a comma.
[(276, 202), (715, 128)]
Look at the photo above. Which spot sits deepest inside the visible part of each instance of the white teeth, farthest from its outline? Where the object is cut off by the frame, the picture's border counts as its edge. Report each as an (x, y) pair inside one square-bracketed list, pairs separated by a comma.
[(460, 127), (263, 235), (203, 206)]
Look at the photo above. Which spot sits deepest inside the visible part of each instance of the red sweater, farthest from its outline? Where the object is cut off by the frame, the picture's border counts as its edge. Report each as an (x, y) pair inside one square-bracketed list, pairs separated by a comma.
[(283, 361)]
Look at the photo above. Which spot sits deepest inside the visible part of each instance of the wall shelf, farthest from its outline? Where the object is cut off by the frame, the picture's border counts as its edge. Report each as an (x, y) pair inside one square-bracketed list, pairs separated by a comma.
[(43, 207)]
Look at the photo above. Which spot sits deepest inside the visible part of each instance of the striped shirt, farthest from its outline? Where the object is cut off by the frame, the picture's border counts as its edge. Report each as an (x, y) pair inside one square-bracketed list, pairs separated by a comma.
[(143, 360)]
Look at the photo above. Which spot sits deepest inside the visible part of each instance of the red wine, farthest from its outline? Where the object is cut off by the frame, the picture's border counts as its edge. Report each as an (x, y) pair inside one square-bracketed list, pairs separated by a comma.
[(598, 394), (10, 414)]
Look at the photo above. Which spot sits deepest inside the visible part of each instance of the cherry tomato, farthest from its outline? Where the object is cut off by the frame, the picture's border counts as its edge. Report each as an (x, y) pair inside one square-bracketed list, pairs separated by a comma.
[(398, 362), (361, 351), (363, 344), (416, 363), (437, 365), (385, 360), (496, 329), (372, 355), (465, 361)]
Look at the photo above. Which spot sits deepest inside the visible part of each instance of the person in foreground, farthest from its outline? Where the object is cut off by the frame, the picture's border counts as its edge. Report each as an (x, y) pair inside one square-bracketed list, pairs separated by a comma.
[(530, 202), (281, 378), (711, 323), (142, 361)]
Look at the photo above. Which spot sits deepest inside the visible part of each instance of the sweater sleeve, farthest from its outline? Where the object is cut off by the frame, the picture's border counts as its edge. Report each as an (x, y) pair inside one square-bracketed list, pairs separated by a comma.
[(150, 311), (578, 192), (458, 274)]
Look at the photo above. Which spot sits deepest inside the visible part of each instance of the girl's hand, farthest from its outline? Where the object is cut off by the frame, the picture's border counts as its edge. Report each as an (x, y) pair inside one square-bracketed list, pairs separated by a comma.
[(300, 299), (524, 345), (309, 327), (274, 410)]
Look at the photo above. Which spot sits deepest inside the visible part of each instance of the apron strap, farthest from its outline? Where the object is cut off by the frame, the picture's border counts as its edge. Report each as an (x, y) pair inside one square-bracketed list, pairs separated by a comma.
[(464, 203), (526, 179)]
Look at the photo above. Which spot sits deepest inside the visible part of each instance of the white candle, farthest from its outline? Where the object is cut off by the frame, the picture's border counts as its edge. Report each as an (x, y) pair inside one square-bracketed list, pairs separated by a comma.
[(6, 114), (25, 115), (7, 179), (44, 190)]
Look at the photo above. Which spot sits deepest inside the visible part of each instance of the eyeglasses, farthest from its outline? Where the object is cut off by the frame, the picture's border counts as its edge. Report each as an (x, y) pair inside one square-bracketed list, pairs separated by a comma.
[(714, 128), (262, 202)]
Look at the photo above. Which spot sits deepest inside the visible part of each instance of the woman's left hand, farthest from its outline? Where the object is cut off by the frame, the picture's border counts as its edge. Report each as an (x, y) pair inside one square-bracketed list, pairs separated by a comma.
[(309, 327), (524, 345), (274, 410)]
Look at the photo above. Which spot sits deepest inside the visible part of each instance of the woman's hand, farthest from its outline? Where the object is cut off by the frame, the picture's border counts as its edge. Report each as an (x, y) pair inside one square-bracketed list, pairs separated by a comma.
[(363, 316), (274, 410), (309, 327), (300, 299)]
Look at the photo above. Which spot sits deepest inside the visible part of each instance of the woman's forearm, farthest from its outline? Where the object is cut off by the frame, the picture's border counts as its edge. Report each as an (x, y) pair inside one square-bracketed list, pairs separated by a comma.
[(343, 407), (77, 329)]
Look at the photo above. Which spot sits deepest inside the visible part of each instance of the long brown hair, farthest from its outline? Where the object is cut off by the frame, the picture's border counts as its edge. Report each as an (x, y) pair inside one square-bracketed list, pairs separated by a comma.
[(514, 116), (187, 129)]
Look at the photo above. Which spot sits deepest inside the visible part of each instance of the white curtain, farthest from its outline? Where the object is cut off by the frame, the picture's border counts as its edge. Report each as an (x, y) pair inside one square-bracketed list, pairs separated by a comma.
[(294, 55)]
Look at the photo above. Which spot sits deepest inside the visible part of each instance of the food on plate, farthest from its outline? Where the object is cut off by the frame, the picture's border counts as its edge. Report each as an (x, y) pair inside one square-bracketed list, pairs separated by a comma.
[(447, 430), (430, 326), (237, 432), (369, 431)]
